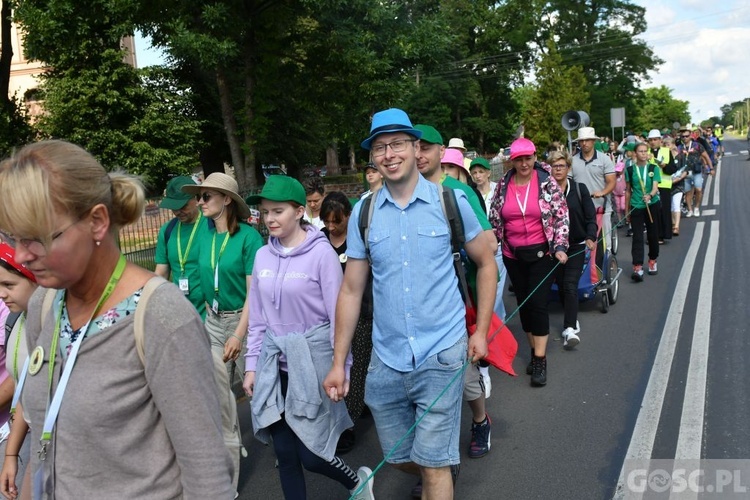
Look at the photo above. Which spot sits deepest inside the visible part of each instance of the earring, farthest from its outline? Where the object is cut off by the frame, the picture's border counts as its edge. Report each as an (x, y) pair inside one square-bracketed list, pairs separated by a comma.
[(98, 242)]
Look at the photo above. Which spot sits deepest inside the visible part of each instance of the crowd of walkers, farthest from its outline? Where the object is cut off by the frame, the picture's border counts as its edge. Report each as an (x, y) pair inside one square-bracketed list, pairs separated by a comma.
[(119, 383)]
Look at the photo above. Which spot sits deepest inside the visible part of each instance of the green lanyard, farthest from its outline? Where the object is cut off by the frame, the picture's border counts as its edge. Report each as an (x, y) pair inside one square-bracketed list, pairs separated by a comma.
[(183, 258), (53, 407), (21, 321), (215, 260)]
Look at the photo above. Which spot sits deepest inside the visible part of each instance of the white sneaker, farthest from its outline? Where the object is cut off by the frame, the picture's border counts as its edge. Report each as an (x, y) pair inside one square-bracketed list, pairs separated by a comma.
[(577, 329), (689, 214), (696, 212), (366, 492), (570, 339), (485, 372)]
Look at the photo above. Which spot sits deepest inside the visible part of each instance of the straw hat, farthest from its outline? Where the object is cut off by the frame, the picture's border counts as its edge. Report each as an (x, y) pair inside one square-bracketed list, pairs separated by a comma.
[(225, 185)]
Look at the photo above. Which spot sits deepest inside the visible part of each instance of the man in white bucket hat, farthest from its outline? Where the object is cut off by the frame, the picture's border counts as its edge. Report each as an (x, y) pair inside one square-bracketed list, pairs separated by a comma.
[(595, 170)]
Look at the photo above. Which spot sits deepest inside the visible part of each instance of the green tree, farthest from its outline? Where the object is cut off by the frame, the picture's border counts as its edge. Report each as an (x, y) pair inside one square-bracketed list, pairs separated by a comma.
[(136, 120), (656, 108), (558, 89), (600, 36)]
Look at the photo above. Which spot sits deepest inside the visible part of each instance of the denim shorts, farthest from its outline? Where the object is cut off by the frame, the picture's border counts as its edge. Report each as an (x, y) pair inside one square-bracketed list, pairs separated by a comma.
[(694, 180), (398, 399)]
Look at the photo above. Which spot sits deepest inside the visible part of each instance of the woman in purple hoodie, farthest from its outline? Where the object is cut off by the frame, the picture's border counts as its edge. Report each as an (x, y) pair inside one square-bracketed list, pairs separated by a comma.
[(295, 283)]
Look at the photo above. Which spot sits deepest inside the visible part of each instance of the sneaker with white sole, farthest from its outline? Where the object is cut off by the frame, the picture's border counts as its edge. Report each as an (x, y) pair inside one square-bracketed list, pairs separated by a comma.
[(696, 212), (689, 214), (363, 492), (652, 268), (577, 329), (486, 380), (570, 339)]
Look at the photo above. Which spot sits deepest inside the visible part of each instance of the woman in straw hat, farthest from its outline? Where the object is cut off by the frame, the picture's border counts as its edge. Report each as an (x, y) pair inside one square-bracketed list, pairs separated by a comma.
[(106, 423), (226, 265)]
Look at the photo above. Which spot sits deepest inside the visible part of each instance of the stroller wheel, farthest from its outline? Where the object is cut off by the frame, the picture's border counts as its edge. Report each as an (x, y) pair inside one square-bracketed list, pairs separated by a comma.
[(604, 302), (613, 289)]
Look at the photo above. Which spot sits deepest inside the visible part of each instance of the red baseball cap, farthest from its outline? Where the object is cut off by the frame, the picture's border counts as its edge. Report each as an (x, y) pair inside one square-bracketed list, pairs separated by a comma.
[(8, 255)]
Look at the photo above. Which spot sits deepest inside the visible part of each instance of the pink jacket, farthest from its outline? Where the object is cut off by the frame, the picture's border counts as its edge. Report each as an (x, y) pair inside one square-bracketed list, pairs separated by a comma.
[(555, 218)]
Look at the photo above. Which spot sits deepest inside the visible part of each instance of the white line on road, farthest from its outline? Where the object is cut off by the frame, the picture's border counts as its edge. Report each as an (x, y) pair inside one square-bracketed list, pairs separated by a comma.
[(691, 426), (708, 211), (642, 441), (717, 184), (706, 190)]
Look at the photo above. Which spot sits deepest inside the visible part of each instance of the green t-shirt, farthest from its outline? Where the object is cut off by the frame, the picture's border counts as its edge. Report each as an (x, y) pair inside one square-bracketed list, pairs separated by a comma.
[(167, 252), (235, 263), (650, 174)]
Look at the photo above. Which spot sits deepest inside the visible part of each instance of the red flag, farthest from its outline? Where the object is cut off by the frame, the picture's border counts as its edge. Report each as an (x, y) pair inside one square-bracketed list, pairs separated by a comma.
[(501, 344)]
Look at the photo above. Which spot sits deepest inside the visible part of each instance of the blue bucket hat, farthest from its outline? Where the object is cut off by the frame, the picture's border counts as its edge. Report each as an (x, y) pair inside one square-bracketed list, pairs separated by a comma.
[(389, 121)]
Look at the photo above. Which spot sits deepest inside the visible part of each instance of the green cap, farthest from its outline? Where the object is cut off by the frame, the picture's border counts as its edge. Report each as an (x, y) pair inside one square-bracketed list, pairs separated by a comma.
[(280, 188), (429, 134), (630, 146), (176, 198), (480, 162)]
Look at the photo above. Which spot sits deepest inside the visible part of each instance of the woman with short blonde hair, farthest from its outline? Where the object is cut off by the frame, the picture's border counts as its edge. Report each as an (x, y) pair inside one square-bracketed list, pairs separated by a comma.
[(127, 427)]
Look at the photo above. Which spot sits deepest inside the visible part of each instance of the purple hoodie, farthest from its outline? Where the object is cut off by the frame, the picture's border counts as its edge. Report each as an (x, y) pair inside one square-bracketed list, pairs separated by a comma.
[(292, 292)]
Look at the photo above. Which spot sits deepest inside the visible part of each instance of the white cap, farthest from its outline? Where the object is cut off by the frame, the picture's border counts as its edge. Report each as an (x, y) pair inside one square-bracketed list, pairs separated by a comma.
[(654, 134), (456, 143)]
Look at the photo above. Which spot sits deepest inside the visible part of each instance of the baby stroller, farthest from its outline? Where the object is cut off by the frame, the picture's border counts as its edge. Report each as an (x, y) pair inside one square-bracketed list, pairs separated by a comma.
[(597, 283)]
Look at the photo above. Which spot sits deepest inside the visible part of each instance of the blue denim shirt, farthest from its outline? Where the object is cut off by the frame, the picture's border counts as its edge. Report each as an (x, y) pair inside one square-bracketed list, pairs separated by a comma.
[(418, 311)]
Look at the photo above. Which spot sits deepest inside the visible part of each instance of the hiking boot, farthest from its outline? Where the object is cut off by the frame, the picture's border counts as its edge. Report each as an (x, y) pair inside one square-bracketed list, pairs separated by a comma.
[(366, 492), (638, 273), (539, 373), (480, 438), (570, 339), (652, 269)]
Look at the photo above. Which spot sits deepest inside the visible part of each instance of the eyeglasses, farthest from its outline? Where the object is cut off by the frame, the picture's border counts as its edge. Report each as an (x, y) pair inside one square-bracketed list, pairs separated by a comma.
[(34, 245), (396, 146), (559, 166), (205, 197), (685, 136)]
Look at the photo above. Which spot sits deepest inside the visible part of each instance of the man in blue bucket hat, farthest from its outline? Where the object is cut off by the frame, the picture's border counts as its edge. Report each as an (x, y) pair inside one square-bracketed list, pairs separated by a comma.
[(409, 248)]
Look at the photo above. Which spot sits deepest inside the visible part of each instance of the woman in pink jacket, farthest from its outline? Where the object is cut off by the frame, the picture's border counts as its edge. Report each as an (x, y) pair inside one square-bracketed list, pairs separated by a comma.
[(530, 217)]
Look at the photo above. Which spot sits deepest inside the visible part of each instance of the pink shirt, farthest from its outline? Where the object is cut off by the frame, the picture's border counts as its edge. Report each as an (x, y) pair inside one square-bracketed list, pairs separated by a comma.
[(522, 216)]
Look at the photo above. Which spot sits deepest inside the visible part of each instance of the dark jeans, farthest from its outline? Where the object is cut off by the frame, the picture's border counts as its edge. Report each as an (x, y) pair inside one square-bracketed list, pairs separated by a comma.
[(639, 218), (525, 277), (567, 277), (293, 455), (665, 218)]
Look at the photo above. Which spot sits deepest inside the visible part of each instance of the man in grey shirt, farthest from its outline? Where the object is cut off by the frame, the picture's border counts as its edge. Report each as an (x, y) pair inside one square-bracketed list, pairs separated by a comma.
[(595, 170)]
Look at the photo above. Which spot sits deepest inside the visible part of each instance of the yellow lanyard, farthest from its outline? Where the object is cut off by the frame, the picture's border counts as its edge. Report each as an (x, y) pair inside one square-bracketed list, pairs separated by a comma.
[(53, 408), (182, 259), (21, 321), (215, 260)]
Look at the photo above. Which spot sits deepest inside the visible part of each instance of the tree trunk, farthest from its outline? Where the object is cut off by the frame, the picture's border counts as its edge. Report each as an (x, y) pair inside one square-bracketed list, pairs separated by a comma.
[(332, 159), (230, 126), (6, 56), (352, 160), (250, 179)]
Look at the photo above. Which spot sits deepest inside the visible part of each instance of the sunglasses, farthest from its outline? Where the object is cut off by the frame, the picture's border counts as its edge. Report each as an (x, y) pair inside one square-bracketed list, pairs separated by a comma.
[(205, 197), (685, 136)]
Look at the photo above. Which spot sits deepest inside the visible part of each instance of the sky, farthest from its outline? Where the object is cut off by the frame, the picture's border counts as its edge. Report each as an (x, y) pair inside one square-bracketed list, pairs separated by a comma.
[(705, 45), (706, 48)]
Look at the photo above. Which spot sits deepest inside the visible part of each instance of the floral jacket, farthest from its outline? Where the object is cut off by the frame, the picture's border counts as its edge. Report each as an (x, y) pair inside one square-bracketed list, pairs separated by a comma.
[(555, 218)]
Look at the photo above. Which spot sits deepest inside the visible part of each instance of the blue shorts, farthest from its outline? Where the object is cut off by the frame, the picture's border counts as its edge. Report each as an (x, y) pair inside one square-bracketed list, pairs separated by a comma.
[(694, 180), (398, 399)]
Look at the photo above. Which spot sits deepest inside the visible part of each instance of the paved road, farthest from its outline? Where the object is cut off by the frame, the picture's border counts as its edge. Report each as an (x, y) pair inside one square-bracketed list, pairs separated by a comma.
[(663, 374)]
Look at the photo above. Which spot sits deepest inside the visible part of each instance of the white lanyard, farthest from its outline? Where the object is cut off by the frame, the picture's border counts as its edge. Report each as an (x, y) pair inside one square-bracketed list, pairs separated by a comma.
[(525, 199), (19, 387)]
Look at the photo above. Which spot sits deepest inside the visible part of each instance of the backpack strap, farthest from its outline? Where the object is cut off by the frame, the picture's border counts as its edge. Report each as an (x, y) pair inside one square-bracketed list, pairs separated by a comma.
[(365, 219), (49, 297), (449, 204), (10, 322), (140, 315)]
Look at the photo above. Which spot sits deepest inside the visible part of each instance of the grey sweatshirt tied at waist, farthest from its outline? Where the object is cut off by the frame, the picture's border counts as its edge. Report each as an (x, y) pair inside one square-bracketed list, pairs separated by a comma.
[(308, 411)]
